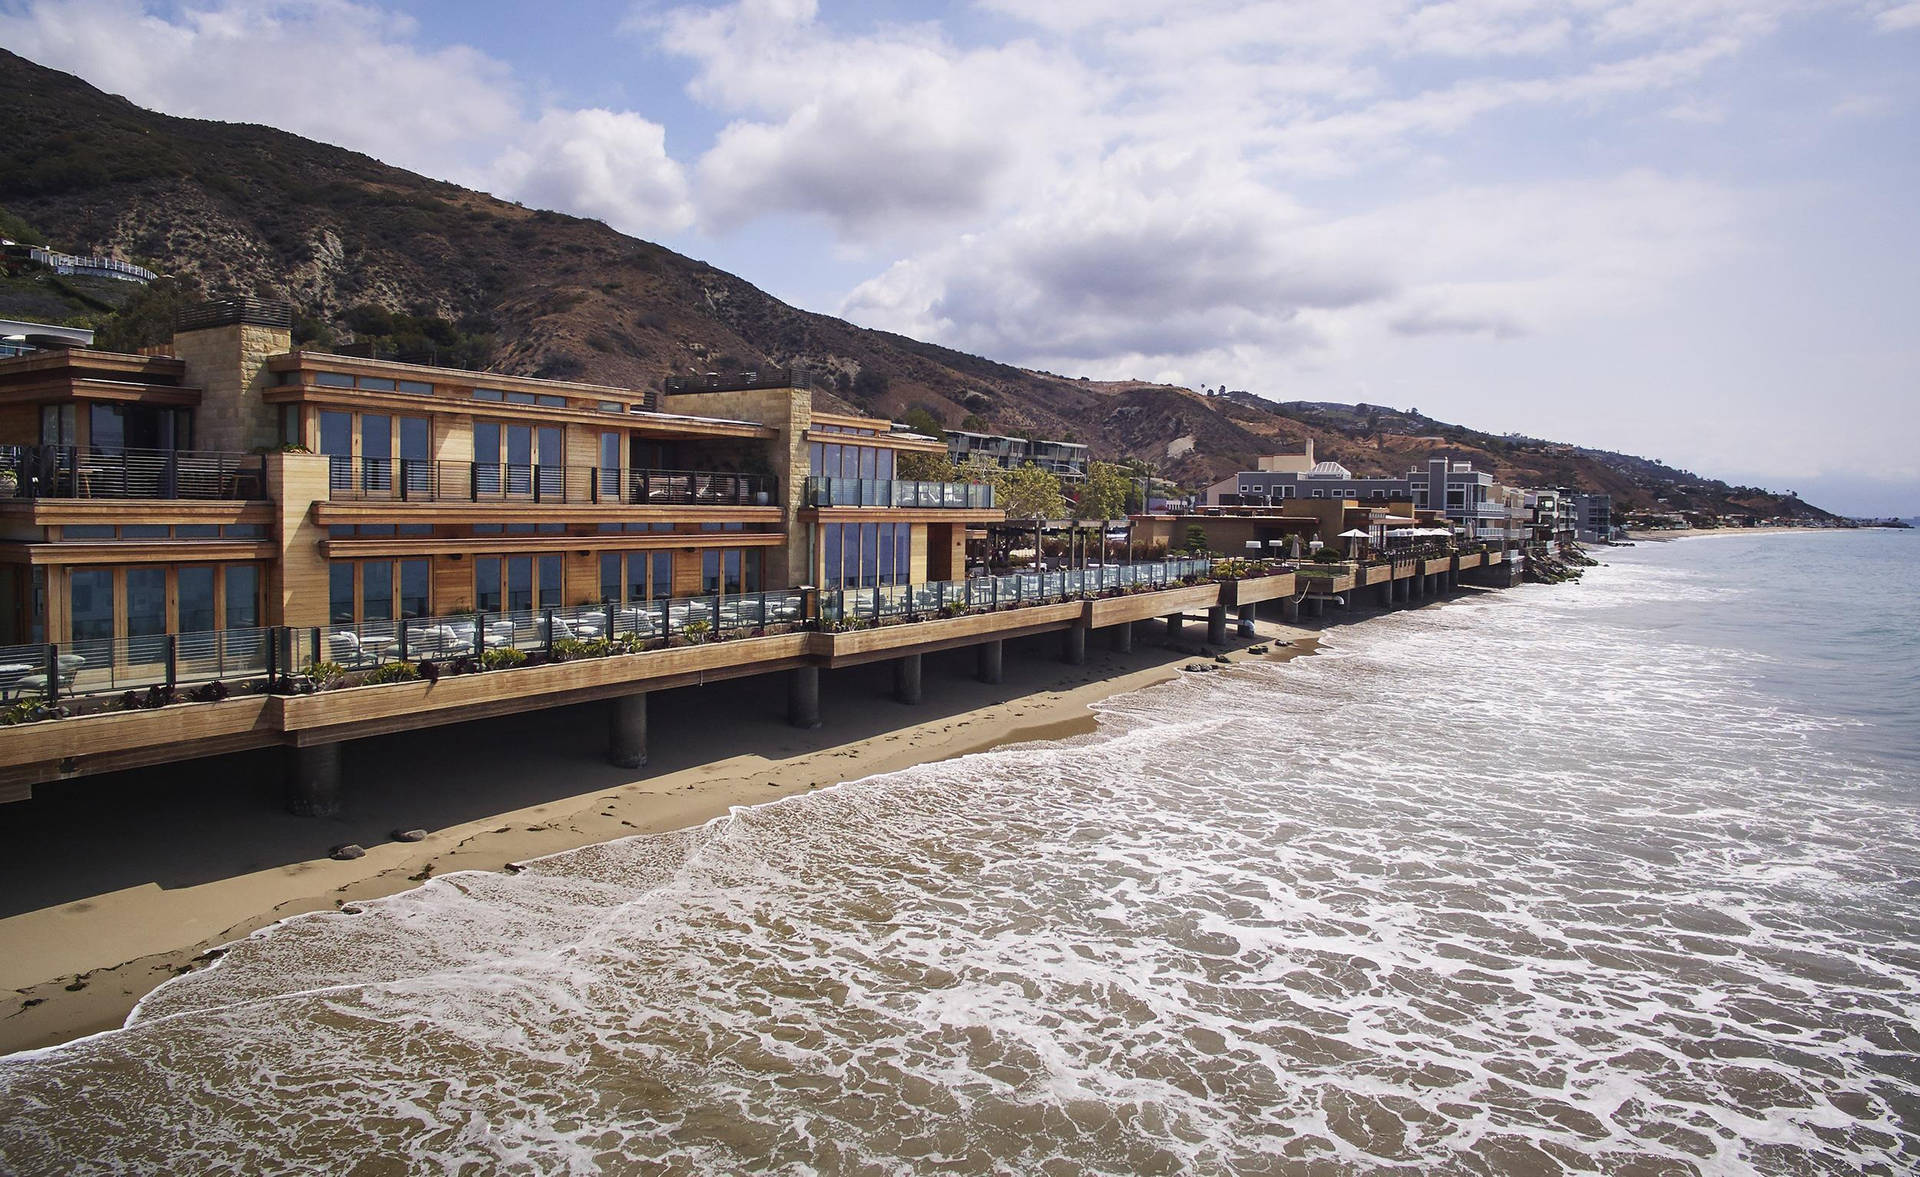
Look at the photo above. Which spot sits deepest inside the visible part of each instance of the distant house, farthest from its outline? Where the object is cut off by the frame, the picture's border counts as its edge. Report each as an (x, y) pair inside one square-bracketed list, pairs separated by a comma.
[(1452, 488), (1067, 459), (20, 256)]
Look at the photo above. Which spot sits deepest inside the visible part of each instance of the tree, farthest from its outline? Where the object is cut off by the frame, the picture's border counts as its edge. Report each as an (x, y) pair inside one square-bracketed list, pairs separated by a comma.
[(147, 318), (1103, 495), (1196, 538), (928, 468), (920, 419), (1028, 493)]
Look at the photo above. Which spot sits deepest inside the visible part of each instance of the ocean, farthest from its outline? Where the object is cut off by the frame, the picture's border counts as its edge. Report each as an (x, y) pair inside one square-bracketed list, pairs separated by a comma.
[(1620, 876)]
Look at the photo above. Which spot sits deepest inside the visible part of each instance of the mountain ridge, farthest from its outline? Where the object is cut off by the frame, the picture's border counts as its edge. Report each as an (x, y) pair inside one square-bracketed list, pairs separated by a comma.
[(358, 246)]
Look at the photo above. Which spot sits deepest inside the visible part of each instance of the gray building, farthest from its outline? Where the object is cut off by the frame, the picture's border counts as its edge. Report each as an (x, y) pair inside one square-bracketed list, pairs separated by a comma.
[(1067, 459), (1593, 517), (1455, 488)]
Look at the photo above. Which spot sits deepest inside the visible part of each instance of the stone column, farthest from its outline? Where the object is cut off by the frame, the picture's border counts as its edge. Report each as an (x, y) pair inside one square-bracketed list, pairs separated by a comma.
[(1248, 613), (988, 667), (627, 730), (803, 696), (1073, 644), (1122, 638), (1290, 609), (1174, 621), (1217, 625), (313, 780), (906, 678)]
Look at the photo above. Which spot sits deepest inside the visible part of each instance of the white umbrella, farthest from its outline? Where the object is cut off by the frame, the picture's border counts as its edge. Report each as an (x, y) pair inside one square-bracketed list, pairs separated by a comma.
[(1356, 533)]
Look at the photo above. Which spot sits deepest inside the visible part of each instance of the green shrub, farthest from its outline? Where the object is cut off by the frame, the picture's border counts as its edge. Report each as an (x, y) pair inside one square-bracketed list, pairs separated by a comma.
[(504, 658), (25, 711), (697, 631), (326, 674), (393, 672)]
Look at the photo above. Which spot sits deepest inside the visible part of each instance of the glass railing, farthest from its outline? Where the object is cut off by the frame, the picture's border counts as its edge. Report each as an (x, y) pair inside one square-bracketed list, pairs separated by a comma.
[(105, 666), (90, 472), (425, 481), (182, 663), (897, 492), (877, 604)]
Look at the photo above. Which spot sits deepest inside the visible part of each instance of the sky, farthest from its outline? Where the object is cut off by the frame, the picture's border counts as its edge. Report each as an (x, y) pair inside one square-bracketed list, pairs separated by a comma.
[(1678, 228)]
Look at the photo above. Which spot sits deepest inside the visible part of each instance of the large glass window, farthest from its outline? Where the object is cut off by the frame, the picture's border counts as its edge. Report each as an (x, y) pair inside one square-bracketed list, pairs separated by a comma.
[(902, 553), (611, 579), (146, 610), (486, 457), (550, 594), (243, 596), (415, 576), (883, 464), (662, 576), (519, 459), (340, 592), (416, 455), (730, 571), (754, 566), (336, 441), (830, 537), (552, 461), (90, 603), (866, 462), (610, 467), (376, 590), (486, 584), (710, 570), (376, 451), (869, 554), (519, 583), (196, 599)]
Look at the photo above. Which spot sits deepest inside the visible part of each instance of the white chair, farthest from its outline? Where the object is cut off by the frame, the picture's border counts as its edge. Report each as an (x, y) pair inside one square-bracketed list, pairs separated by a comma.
[(344, 648)]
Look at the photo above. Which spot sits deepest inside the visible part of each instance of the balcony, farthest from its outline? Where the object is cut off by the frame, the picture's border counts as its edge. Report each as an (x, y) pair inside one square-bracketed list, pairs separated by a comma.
[(898, 492), (69, 472), (407, 480)]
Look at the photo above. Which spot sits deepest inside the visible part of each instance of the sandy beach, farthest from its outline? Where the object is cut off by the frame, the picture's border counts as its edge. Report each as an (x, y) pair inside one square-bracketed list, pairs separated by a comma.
[(115, 883)]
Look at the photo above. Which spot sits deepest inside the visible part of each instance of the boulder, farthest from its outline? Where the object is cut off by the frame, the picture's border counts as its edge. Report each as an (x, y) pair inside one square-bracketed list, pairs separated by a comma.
[(409, 835), (348, 851)]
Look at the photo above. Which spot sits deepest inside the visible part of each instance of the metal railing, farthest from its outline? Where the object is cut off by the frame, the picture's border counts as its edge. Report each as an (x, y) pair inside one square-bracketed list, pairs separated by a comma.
[(48, 673), (897, 492), (106, 666), (425, 481), (70, 472), (880, 603), (795, 377)]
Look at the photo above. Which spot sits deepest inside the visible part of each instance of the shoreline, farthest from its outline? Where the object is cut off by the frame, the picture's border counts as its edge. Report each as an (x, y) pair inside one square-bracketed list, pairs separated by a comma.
[(206, 856)]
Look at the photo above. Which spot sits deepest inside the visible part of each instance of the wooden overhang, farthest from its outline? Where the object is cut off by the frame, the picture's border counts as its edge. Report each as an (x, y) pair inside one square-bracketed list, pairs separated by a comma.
[(329, 512), (134, 512), (77, 361), (397, 546), (59, 388), (138, 551), (453, 394)]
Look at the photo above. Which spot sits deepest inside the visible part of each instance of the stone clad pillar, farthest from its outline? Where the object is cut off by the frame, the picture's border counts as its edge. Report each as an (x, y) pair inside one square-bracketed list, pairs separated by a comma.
[(1174, 621), (1248, 614), (803, 696), (906, 678), (1122, 637), (1073, 644), (627, 730), (988, 667), (313, 780), (1217, 625)]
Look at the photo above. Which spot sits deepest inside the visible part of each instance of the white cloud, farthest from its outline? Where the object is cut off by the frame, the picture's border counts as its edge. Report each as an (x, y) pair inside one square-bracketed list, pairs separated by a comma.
[(1900, 17), (349, 73), (598, 163)]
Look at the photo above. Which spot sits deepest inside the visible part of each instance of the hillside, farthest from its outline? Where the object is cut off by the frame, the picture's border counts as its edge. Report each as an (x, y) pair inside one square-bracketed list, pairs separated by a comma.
[(370, 253)]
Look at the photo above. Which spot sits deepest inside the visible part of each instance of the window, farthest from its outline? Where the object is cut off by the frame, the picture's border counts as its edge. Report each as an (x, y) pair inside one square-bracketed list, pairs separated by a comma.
[(519, 583), (710, 570), (416, 387), (550, 594), (146, 608), (196, 531), (244, 531), (486, 584), (90, 603), (143, 531), (376, 383), (611, 578), (340, 592), (376, 452), (333, 379), (376, 590), (415, 576), (195, 587), (336, 441), (416, 455), (243, 596)]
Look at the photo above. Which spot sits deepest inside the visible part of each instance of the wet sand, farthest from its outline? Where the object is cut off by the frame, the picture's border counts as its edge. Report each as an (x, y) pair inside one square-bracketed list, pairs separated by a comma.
[(115, 883)]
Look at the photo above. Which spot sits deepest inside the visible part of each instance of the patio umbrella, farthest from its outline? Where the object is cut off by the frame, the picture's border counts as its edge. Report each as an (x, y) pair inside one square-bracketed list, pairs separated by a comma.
[(1356, 533)]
